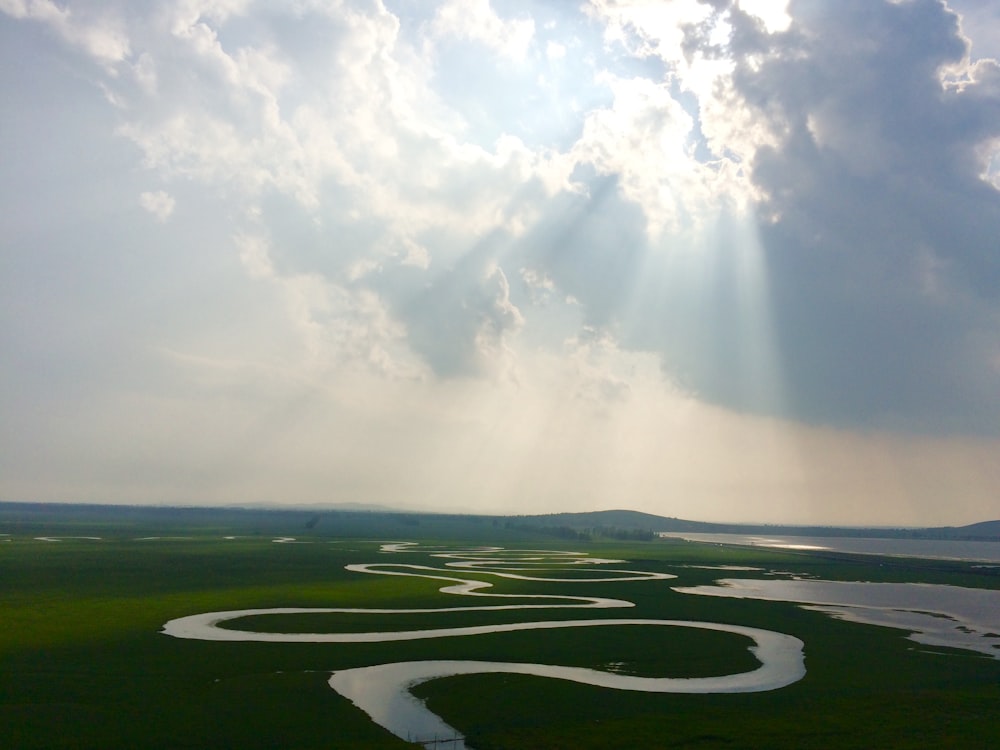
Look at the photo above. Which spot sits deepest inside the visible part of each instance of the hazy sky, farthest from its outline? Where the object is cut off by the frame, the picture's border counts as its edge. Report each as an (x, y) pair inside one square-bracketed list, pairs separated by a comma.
[(715, 260)]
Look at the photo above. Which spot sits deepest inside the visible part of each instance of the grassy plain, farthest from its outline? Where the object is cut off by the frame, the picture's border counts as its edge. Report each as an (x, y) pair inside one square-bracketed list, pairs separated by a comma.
[(83, 664)]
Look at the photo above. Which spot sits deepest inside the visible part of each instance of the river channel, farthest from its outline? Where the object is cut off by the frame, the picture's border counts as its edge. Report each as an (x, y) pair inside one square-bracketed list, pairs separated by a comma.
[(383, 691)]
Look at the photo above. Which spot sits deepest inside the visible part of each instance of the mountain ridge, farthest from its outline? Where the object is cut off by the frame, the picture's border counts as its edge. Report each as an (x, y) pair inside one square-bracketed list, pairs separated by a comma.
[(623, 520), (630, 519)]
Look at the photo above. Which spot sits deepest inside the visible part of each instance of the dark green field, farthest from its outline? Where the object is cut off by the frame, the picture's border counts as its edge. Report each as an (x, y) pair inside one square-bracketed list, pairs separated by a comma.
[(83, 664)]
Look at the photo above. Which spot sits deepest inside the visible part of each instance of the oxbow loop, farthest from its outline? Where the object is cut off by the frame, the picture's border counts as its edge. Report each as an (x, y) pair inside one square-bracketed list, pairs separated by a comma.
[(383, 690)]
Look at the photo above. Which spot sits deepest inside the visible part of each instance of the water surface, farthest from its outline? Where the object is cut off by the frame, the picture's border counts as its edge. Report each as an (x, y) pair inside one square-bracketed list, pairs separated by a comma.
[(944, 549), (383, 690), (934, 614)]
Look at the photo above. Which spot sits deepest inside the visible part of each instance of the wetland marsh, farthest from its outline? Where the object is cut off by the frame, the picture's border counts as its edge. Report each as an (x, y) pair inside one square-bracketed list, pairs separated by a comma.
[(90, 661)]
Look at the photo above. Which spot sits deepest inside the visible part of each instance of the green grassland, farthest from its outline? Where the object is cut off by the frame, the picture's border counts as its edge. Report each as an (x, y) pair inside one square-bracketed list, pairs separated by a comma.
[(83, 664)]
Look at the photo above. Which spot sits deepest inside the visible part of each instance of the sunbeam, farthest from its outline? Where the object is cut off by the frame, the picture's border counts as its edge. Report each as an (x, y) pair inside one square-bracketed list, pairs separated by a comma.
[(731, 260)]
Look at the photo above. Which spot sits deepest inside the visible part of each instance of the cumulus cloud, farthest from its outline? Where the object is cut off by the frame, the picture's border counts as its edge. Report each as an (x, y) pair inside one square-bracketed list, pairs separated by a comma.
[(864, 168), (852, 147), (776, 211), (159, 203), (95, 30), (884, 271), (477, 21), (461, 323)]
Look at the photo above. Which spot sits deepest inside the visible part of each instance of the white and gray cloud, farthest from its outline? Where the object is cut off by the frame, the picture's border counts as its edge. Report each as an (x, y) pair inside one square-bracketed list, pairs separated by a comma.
[(96, 30), (498, 225), (159, 203)]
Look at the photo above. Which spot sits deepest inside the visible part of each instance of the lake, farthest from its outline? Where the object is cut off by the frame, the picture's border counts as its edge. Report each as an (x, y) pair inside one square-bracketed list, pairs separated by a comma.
[(935, 615), (943, 549)]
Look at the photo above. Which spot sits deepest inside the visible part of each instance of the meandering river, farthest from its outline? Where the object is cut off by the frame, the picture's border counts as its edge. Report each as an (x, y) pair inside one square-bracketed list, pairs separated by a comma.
[(383, 690)]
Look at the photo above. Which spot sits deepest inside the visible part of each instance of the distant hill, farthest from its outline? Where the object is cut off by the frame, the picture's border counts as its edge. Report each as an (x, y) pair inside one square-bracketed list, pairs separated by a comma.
[(364, 520), (984, 530), (623, 519), (630, 519)]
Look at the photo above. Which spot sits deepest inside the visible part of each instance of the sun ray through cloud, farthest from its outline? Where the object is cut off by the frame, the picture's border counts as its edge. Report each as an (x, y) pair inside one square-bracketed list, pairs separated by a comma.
[(730, 258)]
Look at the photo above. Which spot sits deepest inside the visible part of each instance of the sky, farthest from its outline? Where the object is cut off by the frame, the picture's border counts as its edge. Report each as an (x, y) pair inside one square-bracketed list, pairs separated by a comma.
[(724, 260)]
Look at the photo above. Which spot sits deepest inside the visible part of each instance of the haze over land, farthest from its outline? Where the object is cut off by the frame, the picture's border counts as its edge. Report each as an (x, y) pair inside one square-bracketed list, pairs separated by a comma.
[(720, 261)]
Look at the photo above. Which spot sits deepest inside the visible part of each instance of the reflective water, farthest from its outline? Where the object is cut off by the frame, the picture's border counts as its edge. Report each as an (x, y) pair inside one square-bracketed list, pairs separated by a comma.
[(934, 614), (929, 548), (60, 538), (382, 690)]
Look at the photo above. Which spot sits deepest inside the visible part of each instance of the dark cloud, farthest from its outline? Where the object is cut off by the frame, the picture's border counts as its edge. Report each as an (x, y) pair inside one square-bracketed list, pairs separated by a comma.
[(863, 291), (456, 317), (868, 292), (591, 244), (882, 253)]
